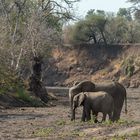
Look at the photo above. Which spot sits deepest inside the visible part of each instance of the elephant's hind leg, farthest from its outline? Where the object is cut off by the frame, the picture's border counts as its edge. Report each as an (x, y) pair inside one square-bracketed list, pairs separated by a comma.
[(110, 116), (117, 113)]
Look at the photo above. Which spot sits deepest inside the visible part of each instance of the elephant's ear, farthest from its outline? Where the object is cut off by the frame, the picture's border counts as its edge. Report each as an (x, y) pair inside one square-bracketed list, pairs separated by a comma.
[(81, 98)]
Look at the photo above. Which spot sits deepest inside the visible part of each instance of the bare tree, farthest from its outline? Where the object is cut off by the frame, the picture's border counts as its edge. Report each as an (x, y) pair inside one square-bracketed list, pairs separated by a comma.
[(29, 28)]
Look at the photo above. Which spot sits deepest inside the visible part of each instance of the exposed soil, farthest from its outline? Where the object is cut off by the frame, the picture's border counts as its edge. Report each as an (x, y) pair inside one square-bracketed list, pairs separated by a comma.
[(53, 123), (91, 62)]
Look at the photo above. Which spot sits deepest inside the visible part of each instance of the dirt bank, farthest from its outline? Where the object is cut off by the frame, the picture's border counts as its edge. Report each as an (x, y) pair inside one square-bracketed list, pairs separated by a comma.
[(96, 63)]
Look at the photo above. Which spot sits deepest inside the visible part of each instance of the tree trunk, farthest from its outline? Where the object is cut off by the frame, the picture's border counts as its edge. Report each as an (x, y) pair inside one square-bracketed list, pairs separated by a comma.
[(35, 82), (103, 36), (94, 38)]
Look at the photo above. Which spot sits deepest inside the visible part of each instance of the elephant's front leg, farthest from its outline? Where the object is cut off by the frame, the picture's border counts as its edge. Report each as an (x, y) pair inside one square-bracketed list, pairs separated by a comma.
[(83, 115), (88, 113)]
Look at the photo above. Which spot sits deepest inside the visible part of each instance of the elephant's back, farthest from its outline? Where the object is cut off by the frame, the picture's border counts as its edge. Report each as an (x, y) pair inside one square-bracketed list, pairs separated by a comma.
[(97, 94), (113, 88), (83, 86), (86, 86), (107, 87), (121, 88)]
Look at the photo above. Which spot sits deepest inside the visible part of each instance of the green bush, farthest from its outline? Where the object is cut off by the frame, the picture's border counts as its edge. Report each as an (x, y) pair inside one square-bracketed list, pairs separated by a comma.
[(24, 95), (129, 66), (129, 70), (9, 81)]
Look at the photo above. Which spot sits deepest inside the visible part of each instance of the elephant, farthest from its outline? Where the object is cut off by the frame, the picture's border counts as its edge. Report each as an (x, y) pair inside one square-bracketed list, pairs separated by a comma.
[(84, 86), (115, 89), (97, 102)]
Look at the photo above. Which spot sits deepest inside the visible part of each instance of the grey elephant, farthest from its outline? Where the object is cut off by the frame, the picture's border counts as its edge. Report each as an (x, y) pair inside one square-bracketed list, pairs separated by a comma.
[(115, 89), (97, 102), (84, 86)]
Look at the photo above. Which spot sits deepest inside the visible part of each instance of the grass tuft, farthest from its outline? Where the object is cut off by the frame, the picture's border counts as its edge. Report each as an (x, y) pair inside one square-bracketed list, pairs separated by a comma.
[(43, 132)]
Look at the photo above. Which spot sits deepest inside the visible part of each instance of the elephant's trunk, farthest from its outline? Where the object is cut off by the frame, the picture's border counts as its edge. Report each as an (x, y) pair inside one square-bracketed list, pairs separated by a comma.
[(72, 114), (72, 108)]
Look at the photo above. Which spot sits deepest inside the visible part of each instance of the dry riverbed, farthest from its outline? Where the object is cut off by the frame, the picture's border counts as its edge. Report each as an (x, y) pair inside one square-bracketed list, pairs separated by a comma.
[(53, 123)]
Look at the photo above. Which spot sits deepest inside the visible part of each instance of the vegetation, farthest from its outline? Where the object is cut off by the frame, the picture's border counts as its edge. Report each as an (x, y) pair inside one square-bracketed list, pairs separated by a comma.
[(28, 28), (43, 132), (100, 27), (32, 28)]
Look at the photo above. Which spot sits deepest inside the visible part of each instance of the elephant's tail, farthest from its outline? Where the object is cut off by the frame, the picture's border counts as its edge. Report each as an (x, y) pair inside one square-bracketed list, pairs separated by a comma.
[(125, 104), (125, 98)]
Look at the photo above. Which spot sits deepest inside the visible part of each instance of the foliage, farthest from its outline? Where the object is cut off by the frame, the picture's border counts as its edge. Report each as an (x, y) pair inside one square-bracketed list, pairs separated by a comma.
[(43, 132), (90, 29), (131, 64), (32, 101), (135, 8), (12, 84), (80, 32), (105, 28), (125, 13), (28, 28), (61, 122), (117, 30), (8, 80)]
